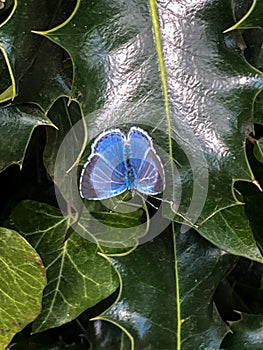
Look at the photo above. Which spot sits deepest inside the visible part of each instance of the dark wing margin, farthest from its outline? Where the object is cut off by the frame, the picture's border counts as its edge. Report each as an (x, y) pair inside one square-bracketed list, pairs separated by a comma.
[(100, 181)]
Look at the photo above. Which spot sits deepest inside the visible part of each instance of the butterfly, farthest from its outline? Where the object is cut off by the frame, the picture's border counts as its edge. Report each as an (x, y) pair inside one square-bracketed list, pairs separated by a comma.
[(120, 162)]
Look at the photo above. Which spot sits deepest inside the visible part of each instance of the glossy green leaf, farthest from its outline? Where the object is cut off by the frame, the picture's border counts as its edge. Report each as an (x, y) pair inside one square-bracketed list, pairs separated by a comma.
[(7, 94), (258, 150), (34, 76), (166, 297), (169, 66), (64, 113), (232, 229), (253, 198), (258, 108), (17, 125), (22, 282), (114, 232), (247, 334), (77, 276), (252, 18), (113, 224), (110, 336)]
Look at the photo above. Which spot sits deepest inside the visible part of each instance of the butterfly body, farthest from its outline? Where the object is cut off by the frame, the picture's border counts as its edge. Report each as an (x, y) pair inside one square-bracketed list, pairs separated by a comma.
[(118, 163)]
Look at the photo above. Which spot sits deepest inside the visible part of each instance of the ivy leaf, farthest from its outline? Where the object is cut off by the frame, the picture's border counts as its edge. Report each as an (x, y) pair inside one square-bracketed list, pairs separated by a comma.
[(22, 283), (78, 277), (114, 232), (166, 301)]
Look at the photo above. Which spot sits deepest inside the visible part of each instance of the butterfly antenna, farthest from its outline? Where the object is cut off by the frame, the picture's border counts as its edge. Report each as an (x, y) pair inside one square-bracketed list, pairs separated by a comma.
[(151, 204), (147, 201), (159, 199), (118, 202)]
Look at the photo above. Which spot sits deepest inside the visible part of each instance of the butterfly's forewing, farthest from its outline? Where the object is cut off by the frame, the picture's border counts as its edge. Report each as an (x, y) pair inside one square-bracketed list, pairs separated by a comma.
[(147, 167), (105, 173)]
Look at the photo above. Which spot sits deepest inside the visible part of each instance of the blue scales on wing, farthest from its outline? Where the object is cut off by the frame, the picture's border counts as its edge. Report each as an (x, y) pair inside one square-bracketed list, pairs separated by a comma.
[(147, 167), (105, 173)]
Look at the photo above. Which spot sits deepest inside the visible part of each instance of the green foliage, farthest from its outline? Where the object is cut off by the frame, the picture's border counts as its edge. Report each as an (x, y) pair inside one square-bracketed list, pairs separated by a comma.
[(189, 292), (247, 334), (22, 281), (14, 120), (190, 76), (77, 276), (258, 150)]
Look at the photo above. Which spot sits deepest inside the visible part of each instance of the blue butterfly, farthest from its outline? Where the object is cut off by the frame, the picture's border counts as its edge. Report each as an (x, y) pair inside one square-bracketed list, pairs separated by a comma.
[(118, 163)]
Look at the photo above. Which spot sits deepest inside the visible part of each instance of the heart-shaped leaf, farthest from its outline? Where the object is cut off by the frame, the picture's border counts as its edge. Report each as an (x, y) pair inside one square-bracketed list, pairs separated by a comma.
[(22, 282), (77, 276)]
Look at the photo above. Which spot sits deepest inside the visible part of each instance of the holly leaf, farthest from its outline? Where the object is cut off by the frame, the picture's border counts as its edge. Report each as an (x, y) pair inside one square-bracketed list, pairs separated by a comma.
[(166, 296), (110, 336), (22, 283), (186, 78), (64, 113), (252, 18), (17, 126), (232, 229), (246, 334), (28, 67)]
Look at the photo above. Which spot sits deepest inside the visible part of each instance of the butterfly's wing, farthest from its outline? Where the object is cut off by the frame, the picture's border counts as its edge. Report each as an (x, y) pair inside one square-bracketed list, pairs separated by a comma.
[(105, 173), (147, 167)]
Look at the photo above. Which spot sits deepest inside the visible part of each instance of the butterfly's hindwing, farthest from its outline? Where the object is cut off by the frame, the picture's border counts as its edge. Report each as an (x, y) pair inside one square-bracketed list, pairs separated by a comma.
[(147, 166)]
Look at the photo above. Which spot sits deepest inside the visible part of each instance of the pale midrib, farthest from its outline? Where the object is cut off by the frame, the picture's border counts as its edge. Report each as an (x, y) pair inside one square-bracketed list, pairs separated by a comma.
[(159, 50), (58, 283)]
